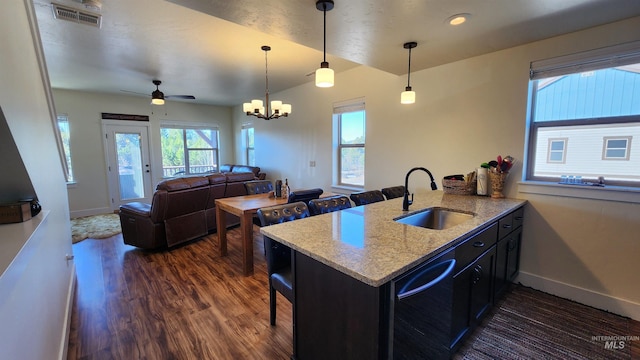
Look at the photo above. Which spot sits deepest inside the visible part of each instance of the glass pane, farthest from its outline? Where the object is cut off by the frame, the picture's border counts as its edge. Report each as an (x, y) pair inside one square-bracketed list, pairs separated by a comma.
[(352, 163), (250, 137), (555, 156), (129, 156), (557, 145), (587, 95), (616, 144), (251, 157), (201, 139), (616, 154), (172, 152), (202, 161), (65, 135), (352, 128)]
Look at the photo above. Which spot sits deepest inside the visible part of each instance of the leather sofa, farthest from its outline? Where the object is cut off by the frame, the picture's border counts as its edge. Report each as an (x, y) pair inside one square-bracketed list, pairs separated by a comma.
[(182, 209), (231, 168)]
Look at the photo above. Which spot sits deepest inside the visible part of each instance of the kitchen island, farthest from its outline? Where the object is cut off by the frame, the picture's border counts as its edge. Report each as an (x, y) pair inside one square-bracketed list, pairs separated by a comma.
[(345, 263)]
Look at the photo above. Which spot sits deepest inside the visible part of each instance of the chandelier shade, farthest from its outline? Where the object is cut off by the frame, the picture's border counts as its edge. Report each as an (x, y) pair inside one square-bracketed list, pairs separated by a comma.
[(261, 110), (408, 96), (324, 75)]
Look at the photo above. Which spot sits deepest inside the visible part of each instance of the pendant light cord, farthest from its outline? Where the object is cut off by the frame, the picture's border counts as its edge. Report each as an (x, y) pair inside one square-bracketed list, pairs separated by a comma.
[(409, 74), (266, 78), (324, 35)]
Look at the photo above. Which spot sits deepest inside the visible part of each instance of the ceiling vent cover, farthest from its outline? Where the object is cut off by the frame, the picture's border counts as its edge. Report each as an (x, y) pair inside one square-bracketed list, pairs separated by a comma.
[(79, 16)]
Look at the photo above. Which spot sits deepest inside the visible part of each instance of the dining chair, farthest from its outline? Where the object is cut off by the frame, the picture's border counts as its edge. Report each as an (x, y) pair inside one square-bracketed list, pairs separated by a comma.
[(393, 192), (304, 195), (366, 197), (258, 186), (329, 204), (279, 255)]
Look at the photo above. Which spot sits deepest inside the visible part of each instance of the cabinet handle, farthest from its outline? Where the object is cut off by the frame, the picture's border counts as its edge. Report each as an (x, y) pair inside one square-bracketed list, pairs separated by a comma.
[(518, 218), (404, 293), (478, 244), (506, 226), (512, 244), (477, 272)]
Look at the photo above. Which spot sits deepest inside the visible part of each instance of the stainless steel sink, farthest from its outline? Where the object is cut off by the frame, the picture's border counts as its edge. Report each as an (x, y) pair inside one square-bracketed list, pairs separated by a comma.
[(436, 218)]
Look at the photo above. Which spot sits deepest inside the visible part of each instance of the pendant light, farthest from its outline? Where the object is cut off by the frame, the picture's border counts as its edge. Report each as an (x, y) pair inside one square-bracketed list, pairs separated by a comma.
[(408, 96), (324, 75)]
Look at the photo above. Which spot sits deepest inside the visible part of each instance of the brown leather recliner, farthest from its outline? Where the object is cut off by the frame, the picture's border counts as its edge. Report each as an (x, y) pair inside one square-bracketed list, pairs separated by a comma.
[(175, 215)]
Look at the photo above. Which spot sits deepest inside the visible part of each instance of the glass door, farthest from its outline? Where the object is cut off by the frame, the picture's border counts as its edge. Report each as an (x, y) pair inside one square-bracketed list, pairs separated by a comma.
[(128, 163)]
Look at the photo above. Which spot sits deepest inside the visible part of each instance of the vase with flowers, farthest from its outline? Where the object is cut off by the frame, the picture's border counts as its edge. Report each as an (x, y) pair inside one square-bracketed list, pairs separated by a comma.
[(498, 172)]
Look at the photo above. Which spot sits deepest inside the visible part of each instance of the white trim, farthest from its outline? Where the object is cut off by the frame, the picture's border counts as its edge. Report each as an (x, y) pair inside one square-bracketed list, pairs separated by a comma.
[(607, 193), (64, 341), (90, 212), (581, 295)]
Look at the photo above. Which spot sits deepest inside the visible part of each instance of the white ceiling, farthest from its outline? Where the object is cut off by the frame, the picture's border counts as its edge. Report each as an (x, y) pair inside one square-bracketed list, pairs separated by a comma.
[(211, 48)]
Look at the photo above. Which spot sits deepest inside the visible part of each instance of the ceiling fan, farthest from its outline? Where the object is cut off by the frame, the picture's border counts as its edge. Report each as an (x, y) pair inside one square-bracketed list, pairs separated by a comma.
[(157, 96)]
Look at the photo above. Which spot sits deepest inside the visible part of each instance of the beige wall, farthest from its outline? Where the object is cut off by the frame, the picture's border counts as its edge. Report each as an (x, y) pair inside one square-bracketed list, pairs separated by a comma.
[(466, 113), (90, 194)]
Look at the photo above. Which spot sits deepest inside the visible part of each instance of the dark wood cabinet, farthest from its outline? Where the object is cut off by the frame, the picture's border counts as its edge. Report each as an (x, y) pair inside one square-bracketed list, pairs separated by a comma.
[(473, 284), (508, 251)]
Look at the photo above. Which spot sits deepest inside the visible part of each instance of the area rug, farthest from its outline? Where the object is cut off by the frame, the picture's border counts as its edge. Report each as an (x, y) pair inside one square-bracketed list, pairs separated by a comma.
[(95, 227)]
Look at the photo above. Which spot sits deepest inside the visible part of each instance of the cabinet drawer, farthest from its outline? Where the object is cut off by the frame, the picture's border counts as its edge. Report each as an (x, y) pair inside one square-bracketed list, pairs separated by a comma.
[(473, 247), (505, 225), (518, 217)]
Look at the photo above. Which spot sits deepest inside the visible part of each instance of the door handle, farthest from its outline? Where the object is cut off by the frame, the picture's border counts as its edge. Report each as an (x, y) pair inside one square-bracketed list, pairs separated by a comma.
[(404, 294)]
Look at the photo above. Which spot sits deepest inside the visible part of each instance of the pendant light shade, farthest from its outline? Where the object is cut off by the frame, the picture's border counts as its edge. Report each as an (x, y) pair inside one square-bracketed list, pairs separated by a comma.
[(257, 108), (324, 75), (408, 96)]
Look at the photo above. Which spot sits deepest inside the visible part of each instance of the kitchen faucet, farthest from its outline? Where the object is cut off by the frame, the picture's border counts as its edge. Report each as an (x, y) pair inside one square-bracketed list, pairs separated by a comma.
[(406, 202)]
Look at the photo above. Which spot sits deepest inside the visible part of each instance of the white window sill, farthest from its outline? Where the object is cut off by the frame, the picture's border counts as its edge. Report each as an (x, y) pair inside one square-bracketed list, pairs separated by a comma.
[(607, 193)]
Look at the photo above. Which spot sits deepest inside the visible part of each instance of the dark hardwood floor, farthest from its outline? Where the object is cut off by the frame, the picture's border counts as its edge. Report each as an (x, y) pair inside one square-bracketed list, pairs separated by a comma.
[(185, 303), (190, 303)]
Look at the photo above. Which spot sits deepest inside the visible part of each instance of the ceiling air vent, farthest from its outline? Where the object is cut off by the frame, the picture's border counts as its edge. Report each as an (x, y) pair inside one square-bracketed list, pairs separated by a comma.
[(79, 16)]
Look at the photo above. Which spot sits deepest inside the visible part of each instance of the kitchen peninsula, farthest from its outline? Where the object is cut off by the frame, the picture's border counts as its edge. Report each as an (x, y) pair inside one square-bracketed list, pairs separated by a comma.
[(348, 267)]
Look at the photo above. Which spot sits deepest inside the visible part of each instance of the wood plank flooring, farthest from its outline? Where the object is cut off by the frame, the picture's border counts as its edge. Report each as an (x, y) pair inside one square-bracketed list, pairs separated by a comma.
[(190, 303), (185, 303)]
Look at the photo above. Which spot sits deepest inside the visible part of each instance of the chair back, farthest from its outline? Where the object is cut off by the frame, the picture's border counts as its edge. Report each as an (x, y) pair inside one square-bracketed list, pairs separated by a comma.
[(393, 192), (258, 186), (279, 255), (367, 197), (304, 195), (329, 204)]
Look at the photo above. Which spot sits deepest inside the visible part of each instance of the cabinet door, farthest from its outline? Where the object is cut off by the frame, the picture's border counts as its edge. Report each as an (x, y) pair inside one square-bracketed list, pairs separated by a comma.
[(513, 255), (482, 285)]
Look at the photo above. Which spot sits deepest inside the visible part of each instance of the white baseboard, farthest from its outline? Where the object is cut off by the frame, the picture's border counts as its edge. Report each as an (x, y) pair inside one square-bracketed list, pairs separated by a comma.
[(583, 296), (64, 346), (89, 212)]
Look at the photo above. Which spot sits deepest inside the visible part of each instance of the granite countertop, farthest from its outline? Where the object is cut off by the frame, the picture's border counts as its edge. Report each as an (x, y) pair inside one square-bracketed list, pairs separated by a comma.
[(367, 244)]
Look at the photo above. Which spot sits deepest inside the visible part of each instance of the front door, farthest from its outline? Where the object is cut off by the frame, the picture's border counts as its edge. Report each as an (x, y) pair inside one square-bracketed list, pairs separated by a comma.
[(128, 163)]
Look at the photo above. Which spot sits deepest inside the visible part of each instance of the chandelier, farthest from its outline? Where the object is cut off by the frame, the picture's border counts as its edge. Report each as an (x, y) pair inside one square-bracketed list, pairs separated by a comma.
[(256, 107)]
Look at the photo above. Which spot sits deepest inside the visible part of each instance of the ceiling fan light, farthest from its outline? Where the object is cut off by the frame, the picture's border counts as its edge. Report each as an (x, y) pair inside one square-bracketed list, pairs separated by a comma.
[(324, 76), (157, 101), (157, 97)]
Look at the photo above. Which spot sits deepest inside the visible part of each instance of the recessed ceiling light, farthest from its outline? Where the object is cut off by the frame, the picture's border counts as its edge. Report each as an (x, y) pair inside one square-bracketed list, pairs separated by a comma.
[(458, 19)]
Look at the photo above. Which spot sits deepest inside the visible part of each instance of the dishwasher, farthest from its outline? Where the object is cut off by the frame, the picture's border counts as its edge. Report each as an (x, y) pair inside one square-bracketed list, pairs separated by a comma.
[(422, 310)]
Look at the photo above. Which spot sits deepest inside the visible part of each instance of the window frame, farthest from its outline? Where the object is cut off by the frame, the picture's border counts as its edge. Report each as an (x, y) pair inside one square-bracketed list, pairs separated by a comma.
[(565, 142), (605, 148), (192, 126), (579, 63), (350, 106), (65, 146), (246, 143)]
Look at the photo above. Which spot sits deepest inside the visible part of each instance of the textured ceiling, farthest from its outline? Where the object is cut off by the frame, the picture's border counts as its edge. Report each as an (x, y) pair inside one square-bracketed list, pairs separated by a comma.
[(211, 48)]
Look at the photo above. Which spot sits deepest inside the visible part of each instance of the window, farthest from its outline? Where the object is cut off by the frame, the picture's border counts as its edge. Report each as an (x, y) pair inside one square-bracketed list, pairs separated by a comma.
[(349, 139), (188, 149), (247, 140), (616, 148), (557, 150), (584, 114), (64, 133)]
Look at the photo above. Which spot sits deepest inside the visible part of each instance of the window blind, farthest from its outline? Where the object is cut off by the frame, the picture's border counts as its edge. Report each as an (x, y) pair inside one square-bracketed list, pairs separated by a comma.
[(602, 58)]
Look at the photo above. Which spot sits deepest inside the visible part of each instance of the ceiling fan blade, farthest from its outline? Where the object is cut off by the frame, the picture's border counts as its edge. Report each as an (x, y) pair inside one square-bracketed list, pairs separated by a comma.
[(191, 97), (134, 92)]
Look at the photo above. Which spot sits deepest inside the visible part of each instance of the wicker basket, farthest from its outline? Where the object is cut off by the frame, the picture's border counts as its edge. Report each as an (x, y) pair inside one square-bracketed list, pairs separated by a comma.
[(458, 187)]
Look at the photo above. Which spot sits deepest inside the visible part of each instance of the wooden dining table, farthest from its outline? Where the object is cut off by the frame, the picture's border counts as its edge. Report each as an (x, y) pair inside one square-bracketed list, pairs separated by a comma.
[(245, 207)]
